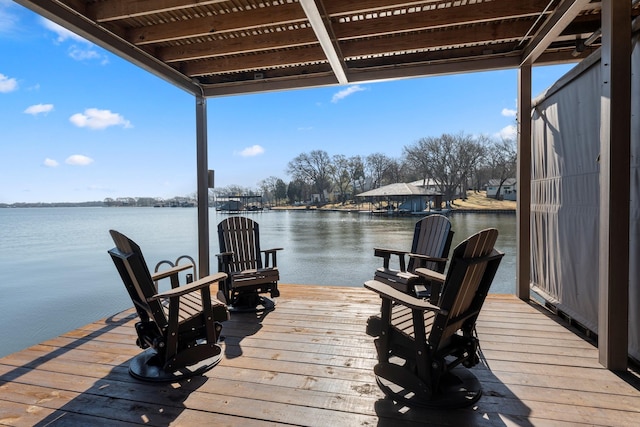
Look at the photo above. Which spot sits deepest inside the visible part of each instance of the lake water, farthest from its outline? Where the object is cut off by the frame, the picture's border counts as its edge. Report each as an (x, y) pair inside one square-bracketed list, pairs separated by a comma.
[(57, 276)]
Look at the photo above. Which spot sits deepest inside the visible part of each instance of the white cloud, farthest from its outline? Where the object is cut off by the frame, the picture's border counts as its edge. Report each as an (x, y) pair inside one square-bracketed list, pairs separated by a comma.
[(7, 84), (508, 112), (98, 119), (39, 109), (78, 160), (346, 92), (50, 163), (254, 150), (83, 54), (62, 33), (508, 132), (8, 21)]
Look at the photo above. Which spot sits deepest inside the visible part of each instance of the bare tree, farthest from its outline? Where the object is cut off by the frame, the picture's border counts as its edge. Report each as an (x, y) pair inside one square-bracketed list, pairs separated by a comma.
[(397, 172), (376, 166), (268, 187), (232, 190), (471, 153), (298, 191), (312, 168), (280, 191), (339, 170), (501, 161), (447, 160), (417, 159), (356, 173)]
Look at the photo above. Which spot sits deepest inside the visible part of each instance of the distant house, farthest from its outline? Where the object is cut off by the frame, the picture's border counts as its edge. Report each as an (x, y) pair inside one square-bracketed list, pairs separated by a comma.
[(507, 191)]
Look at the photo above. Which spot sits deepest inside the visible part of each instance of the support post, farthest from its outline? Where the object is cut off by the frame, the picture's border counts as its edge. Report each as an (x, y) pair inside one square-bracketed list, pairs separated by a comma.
[(615, 152), (523, 206), (203, 186)]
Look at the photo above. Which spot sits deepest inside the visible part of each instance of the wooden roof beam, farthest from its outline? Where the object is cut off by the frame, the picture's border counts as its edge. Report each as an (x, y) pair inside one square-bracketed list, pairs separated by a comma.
[(353, 7), (272, 16), (452, 16), (113, 10), (362, 76), (270, 85), (494, 33), (514, 9), (551, 29), (259, 61), (306, 36), (238, 45)]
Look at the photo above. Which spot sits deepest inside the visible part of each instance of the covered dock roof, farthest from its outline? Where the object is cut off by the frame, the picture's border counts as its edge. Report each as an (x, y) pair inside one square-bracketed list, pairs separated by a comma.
[(218, 47), (398, 189)]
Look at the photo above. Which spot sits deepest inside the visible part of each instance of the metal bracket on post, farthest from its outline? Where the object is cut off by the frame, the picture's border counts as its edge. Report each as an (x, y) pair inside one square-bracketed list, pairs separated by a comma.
[(211, 178)]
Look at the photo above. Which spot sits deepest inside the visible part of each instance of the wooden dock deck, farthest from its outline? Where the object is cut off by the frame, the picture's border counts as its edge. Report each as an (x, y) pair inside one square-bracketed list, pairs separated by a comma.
[(309, 362)]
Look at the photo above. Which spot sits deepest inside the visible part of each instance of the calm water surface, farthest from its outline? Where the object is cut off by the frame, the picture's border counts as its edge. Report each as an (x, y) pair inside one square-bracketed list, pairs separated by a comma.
[(57, 275)]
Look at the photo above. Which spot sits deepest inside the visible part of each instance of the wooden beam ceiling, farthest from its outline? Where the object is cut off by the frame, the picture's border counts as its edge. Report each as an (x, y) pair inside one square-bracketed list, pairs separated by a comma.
[(224, 46)]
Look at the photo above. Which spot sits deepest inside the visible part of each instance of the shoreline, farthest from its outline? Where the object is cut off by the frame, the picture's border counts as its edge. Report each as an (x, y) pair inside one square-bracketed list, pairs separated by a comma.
[(476, 202), (417, 213)]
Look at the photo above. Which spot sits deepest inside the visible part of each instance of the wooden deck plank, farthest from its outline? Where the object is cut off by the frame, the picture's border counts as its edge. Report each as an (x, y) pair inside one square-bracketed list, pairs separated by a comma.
[(309, 362)]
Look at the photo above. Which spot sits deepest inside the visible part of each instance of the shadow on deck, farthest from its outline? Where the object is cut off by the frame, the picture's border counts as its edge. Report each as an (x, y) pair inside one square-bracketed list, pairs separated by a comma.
[(309, 362)]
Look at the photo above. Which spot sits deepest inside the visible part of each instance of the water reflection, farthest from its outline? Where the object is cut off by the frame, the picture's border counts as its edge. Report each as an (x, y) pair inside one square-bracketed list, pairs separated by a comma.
[(335, 248), (62, 254)]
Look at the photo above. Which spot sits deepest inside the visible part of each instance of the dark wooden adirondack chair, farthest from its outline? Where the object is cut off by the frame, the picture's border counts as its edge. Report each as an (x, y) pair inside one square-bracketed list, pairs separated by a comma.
[(178, 328), (421, 345), (240, 258), (430, 249)]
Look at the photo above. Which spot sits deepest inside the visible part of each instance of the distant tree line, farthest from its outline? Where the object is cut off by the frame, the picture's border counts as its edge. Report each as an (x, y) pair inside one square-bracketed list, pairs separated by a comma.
[(451, 162), (91, 204), (186, 201)]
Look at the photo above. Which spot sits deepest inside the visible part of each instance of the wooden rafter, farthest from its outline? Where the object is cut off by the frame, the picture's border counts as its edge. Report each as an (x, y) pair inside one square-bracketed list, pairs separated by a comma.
[(201, 45)]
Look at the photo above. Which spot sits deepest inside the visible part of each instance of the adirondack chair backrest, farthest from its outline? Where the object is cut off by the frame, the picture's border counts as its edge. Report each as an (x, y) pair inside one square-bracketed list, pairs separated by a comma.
[(432, 237), (241, 236), (136, 277), (473, 266)]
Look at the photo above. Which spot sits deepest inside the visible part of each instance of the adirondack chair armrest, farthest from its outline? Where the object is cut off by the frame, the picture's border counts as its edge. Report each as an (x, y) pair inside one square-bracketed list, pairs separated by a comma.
[(382, 252), (170, 272), (191, 287), (270, 256), (431, 274), (388, 292), (386, 254), (427, 258)]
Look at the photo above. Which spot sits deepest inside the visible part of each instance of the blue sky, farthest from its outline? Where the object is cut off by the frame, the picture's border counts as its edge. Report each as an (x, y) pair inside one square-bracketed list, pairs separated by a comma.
[(80, 124)]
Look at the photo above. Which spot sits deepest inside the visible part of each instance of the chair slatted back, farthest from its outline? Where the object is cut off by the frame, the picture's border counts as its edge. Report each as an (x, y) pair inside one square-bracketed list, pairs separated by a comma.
[(473, 266), (136, 277), (241, 236), (432, 237)]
